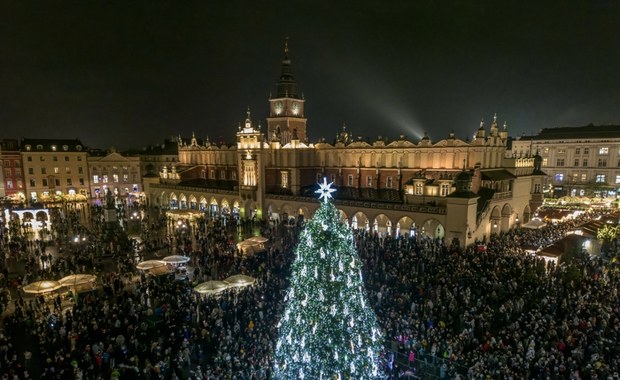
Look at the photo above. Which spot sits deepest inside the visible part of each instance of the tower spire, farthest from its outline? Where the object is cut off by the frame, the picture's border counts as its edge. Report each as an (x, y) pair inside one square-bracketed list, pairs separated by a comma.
[(286, 86)]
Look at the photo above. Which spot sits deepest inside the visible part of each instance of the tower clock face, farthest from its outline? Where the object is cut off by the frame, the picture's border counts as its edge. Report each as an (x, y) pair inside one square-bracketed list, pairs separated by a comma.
[(278, 107), (295, 107)]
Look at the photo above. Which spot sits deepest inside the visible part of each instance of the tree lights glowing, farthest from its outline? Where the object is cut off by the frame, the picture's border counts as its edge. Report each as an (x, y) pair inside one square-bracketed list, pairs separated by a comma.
[(326, 330)]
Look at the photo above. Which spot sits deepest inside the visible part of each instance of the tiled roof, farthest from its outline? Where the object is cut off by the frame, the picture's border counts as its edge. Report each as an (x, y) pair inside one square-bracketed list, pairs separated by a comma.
[(567, 133), (47, 145)]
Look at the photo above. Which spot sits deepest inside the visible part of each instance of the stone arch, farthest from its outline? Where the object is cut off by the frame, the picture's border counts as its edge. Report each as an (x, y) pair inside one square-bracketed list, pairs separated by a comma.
[(495, 217), (236, 209), (225, 207), (182, 202), (203, 203), (41, 216), (27, 217), (382, 225), (303, 213), (214, 207), (405, 226), (193, 205), (360, 221), (173, 201), (433, 229), (506, 214), (527, 214), (343, 216), (287, 212)]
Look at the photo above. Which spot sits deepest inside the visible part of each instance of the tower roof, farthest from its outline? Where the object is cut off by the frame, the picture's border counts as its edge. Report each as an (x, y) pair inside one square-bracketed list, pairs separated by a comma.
[(286, 86)]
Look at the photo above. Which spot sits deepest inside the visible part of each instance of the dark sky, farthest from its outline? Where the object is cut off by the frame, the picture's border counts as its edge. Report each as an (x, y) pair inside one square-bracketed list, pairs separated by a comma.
[(130, 73)]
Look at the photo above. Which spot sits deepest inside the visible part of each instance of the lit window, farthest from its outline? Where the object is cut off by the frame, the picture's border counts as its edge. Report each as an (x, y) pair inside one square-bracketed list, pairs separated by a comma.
[(125, 178), (284, 177), (68, 170), (544, 163), (603, 150), (444, 190), (105, 178), (369, 181), (56, 170), (388, 182), (600, 178), (617, 178), (419, 188), (559, 177), (584, 177), (9, 184), (95, 179), (115, 177)]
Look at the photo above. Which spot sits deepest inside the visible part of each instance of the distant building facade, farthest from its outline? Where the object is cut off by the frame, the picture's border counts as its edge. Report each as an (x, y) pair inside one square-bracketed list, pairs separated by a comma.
[(114, 171), (54, 170), (12, 186), (579, 161), (455, 190)]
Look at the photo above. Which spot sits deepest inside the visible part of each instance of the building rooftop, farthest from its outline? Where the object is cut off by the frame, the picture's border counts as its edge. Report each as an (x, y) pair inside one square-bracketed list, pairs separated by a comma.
[(568, 133)]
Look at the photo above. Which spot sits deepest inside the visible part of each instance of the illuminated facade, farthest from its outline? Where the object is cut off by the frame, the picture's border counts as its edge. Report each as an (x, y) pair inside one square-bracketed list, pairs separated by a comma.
[(115, 172), (579, 161), (55, 170), (12, 186), (450, 189)]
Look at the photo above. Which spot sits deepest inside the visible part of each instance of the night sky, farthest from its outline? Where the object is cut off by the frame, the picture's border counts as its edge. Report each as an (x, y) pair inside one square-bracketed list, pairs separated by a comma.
[(131, 73)]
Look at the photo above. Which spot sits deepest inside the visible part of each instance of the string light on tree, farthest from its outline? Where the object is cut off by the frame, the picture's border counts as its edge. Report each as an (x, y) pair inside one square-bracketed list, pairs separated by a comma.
[(347, 344)]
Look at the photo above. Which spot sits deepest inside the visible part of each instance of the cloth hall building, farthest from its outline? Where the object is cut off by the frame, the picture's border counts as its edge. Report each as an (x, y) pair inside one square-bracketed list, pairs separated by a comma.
[(456, 190)]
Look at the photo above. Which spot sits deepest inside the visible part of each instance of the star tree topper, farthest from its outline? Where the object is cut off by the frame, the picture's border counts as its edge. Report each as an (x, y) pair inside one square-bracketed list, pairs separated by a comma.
[(325, 190)]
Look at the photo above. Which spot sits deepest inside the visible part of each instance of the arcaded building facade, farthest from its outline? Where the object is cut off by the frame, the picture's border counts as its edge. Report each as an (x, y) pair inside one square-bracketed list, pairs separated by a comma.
[(450, 189)]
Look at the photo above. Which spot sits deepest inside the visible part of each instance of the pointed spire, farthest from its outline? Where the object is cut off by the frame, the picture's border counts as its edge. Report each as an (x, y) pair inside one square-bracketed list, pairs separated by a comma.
[(286, 48), (505, 125), (495, 118), (481, 123), (286, 86)]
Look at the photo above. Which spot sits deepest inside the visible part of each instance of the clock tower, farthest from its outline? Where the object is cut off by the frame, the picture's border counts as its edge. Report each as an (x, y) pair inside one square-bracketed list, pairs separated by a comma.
[(286, 119)]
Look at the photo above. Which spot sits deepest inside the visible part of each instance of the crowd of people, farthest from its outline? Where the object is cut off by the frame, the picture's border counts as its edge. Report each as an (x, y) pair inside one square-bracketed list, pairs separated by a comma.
[(445, 312)]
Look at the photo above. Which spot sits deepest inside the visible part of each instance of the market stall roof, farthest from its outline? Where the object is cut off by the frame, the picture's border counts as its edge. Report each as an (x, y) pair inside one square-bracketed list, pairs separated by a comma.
[(41, 287), (149, 264), (211, 287), (239, 280), (176, 259), (534, 224), (160, 271)]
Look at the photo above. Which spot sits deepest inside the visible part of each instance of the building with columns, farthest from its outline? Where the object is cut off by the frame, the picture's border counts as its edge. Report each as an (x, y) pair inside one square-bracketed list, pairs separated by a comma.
[(456, 190)]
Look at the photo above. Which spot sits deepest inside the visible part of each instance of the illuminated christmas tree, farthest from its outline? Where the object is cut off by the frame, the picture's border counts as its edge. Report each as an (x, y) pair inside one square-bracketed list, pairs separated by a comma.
[(328, 330)]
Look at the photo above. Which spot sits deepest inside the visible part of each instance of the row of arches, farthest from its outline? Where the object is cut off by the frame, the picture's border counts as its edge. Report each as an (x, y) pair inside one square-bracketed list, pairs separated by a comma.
[(381, 224), (213, 207)]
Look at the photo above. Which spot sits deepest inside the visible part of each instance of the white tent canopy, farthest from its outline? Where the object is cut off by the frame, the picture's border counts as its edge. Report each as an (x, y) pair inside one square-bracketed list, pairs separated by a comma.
[(535, 224)]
